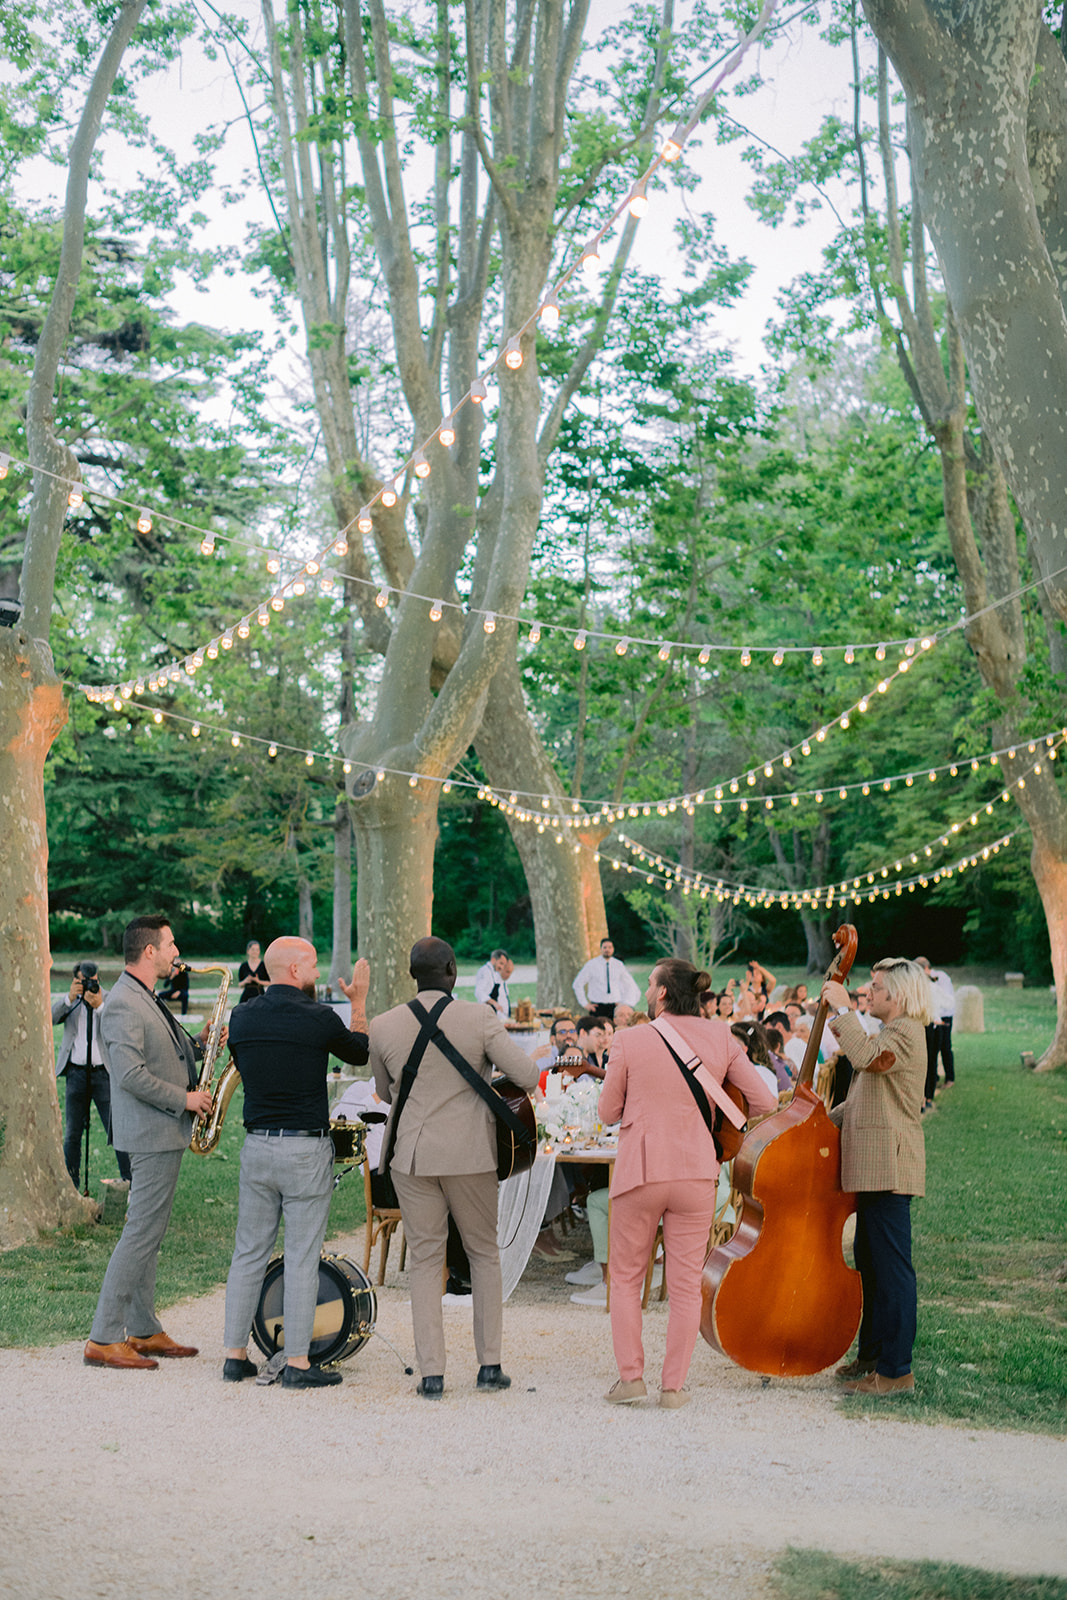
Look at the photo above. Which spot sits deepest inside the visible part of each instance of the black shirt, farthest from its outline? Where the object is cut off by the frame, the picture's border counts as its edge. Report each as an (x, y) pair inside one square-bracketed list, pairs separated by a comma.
[(282, 1042)]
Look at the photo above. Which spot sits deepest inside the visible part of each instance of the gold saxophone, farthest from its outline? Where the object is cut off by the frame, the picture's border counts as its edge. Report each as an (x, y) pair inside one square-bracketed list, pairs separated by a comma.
[(206, 1130)]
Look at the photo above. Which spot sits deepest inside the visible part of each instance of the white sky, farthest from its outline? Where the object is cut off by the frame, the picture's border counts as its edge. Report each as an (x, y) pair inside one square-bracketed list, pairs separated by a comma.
[(806, 81)]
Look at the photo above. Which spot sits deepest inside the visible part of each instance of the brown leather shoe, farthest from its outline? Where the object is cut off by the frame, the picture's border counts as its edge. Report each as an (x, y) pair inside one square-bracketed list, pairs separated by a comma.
[(854, 1369), (876, 1383), (161, 1344), (115, 1355)]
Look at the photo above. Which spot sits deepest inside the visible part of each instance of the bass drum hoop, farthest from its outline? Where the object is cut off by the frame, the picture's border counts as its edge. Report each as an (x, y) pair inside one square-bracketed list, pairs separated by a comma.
[(340, 1279)]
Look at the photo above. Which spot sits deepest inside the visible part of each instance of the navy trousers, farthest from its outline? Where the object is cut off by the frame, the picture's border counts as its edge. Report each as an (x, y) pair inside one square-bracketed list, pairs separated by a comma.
[(77, 1112), (883, 1259)]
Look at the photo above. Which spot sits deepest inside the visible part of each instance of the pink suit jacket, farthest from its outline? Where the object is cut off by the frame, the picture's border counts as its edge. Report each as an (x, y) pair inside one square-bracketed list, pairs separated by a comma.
[(663, 1136)]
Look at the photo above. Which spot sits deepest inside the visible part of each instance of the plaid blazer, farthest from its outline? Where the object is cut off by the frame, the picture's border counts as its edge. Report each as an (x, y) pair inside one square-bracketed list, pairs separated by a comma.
[(881, 1132)]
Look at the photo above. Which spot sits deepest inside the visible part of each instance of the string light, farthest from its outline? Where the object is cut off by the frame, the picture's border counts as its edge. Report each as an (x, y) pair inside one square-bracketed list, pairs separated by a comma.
[(420, 464), (446, 433), (590, 263), (436, 611), (513, 354), (549, 312), (638, 199), (479, 392), (144, 521)]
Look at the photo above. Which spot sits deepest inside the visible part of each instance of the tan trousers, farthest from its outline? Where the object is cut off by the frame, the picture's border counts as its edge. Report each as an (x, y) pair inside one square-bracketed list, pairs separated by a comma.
[(424, 1205)]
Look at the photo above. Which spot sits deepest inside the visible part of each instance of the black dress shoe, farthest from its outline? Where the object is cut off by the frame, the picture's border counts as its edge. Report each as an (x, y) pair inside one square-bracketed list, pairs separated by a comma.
[(492, 1378), (431, 1388), (308, 1378), (234, 1368)]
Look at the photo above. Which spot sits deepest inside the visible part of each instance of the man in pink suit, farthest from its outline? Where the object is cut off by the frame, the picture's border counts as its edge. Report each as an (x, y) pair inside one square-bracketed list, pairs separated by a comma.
[(667, 1165)]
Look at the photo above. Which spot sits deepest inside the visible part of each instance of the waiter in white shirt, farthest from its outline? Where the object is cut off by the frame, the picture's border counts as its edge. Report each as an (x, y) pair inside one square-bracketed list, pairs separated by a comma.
[(491, 983), (604, 983)]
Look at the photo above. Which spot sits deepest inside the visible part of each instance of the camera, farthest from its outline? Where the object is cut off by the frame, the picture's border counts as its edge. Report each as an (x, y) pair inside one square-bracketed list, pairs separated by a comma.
[(85, 974)]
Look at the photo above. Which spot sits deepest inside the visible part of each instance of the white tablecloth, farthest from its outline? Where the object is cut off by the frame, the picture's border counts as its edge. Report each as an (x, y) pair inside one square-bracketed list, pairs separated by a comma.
[(520, 1210)]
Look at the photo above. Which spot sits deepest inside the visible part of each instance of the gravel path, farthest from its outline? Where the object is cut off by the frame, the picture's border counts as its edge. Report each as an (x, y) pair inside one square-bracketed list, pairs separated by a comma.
[(173, 1484)]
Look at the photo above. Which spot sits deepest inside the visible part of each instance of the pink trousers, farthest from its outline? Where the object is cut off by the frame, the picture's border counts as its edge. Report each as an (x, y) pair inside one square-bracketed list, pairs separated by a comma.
[(687, 1208)]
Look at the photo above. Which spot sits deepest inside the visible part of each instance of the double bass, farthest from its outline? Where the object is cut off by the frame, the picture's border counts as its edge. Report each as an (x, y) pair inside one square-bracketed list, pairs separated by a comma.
[(779, 1297)]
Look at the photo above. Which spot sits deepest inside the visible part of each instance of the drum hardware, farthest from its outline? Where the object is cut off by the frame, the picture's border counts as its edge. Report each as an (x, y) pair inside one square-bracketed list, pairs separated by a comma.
[(344, 1317), (349, 1140)]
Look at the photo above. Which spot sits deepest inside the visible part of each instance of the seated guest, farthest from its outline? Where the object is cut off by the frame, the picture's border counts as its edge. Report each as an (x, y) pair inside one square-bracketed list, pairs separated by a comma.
[(562, 1040), (624, 1015), (781, 1064), (754, 1040), (591, 1043), (725, 1003)]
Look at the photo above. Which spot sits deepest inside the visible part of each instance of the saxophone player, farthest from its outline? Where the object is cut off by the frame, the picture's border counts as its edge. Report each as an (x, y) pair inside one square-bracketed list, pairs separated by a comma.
[(282, 1042), (154, 1097)]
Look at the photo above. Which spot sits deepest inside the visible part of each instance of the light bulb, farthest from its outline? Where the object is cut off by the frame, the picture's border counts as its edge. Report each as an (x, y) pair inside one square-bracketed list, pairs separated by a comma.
[(489, 623), (299, 586), (263, 616), (580, 639), (879, 654), (778, 657), (446, 433), (381, 599), (672, 148), (746, 657), (75, 497), (816, 657), (664, 652), (850, 656), (277, 602), (309, 760), (311, 568), (435, 611), (212, 651), (364, 522), (340, 547), (535, 633), (639, 199), (207, 545), (550, 312), (227, 639), (479, 393), (512, 354), (5, 463), (243, 630), (272, 752), (273, 565), (704, 657), (622, 647), (420, 464), (157, 716), (144, 521), (389, 494), (195, 730), (590, 259)]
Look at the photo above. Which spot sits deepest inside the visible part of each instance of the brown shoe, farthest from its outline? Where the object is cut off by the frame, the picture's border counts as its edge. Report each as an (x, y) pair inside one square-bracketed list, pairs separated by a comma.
[(161, 1344), (624, 1391), (876, 1383), (854, 1369), (115, 1355)]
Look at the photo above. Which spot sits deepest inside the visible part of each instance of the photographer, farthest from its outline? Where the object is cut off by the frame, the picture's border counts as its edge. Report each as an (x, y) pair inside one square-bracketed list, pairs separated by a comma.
[(81, 1062)]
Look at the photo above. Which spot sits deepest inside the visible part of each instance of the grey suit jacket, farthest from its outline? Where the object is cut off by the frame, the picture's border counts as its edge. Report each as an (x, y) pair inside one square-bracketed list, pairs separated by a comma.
[(151, 1071), (63, 1011), (446, 1129)]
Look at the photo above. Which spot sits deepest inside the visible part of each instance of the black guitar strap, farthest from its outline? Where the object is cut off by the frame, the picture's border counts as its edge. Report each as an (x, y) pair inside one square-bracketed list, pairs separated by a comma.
[(713, 1124), (428, 1026), (502, 1112)]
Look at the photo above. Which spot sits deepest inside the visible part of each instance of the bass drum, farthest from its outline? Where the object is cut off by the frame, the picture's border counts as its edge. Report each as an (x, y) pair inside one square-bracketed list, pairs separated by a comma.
[(344, 1315)]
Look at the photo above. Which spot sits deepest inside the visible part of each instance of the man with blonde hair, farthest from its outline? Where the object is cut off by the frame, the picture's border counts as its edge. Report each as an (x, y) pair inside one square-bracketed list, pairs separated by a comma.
[(883, 1159)]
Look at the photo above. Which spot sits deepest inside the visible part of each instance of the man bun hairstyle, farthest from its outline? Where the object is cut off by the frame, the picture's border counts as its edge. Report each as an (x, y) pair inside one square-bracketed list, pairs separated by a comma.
[(139, 934), (684, 985)]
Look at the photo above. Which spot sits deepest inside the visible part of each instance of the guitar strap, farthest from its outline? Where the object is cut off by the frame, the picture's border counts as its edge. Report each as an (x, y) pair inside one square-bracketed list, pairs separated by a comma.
[(428, 1022), (676, 1044), (497, 1106)]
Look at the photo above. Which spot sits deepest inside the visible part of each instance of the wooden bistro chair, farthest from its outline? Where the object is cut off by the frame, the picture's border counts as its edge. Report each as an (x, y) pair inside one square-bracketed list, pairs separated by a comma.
[(382, 1222)]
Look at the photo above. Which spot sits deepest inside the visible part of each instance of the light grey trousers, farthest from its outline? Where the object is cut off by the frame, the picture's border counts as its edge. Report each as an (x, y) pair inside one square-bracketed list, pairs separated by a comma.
[(127, 1303), (290, 1178), (424, 1206)]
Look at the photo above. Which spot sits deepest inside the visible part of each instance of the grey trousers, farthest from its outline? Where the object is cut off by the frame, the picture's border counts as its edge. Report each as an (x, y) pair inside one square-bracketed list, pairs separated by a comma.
[(290, 1178), (127, 1303), (424, 1206)]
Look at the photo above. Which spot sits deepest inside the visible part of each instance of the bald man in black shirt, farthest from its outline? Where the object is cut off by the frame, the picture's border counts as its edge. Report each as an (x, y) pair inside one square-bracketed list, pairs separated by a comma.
[(282, 1042)]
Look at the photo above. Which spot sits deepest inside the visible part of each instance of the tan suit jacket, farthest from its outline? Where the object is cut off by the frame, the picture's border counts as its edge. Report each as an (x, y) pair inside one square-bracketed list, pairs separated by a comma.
[(882, 1143), (663, 1134), (445, 1130)]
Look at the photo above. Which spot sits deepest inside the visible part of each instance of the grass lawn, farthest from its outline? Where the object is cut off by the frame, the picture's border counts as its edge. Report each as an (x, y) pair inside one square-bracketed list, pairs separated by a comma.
[(990, 1239), (814, 1575)]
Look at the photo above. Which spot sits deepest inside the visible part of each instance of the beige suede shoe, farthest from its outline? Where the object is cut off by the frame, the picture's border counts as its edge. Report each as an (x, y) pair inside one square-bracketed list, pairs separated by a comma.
[(624, 1391), (875, 1383), (674, 1399)]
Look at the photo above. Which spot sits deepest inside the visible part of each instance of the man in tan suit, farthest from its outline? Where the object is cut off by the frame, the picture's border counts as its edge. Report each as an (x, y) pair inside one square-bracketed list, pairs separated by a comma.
[(883, 1160), (443, 1158)]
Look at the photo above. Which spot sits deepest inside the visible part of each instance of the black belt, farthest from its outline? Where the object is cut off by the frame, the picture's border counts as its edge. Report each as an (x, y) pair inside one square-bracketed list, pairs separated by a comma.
[(290, 1133)]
